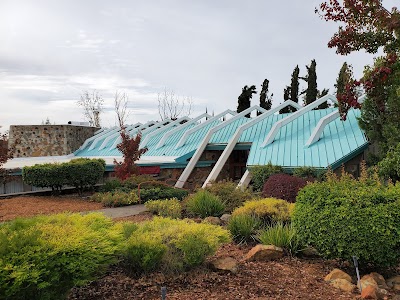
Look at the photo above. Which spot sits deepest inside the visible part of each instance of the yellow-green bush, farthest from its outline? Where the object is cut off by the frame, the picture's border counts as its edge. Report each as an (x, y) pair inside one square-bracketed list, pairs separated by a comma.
[(172, 245), (43, 257), (116, 198), (268, 210), (171, 208)]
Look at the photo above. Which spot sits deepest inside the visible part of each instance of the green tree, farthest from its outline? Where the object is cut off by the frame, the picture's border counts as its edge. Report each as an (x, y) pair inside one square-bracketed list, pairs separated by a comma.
[(244, 100), (265, 100), (311, 92), (292, 92), (344, 78)]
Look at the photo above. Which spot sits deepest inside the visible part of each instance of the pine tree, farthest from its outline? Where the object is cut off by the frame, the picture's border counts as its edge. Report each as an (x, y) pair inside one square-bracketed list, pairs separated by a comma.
[(294, 85), (286, 96), (244, 100), (344, 77), (265, 100)]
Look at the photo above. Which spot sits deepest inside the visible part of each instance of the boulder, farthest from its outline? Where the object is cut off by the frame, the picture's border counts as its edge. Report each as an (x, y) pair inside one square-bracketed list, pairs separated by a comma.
[(394, 283), (225, 218), (369, 292), (338, 274), (310, 252), (264, 253), (378, 278), (343, 284), (367, 280), (225, 264), (212, 220)]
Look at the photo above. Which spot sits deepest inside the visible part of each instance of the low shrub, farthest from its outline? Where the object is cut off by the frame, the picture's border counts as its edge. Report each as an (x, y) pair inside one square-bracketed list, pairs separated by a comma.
[(134, 181), (204, 204), (283, 186), (111, 185), (229, 194), (45, 176), (156, 193), (260, 174), (268, 210), (44, 257), (281, 235), (165, 208), (116, 198), (243, 227), (345, 217), (172, 245), (308, 173)]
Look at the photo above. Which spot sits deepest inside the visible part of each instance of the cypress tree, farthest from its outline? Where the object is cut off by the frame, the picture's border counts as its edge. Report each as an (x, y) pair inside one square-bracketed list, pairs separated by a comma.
[(265, 100), (294, 85), (344, 77), (311, 79), (244, 100), (286, 96)]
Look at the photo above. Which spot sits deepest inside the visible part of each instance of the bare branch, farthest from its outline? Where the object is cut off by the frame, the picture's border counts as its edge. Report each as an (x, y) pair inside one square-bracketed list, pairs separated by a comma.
[(170, 106), (121, 100), (92, 104)]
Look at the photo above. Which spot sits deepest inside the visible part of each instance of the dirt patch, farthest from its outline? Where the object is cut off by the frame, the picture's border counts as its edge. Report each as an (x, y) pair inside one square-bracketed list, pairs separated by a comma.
[(288, 278), (29, 206)]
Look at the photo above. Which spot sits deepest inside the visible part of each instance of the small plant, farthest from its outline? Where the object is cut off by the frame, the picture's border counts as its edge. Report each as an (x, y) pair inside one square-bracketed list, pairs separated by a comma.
[(389, 167), (162, 192), (134, 181), (281, 235), (260, 175), (229, 194), (268, 210), (116, 198), (205, 204), (283, 186), (243, 227), (165, 208), (111, 185)]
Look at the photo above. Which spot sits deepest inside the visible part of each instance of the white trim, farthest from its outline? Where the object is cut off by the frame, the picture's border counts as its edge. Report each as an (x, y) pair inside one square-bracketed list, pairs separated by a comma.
[(185, 136), (278, 125), (196, 156), (83, 146), (166, 127), (107, 139), (99, 138), (171, 132), (129, 131), (235, 138), (245, 180), (319, 128)]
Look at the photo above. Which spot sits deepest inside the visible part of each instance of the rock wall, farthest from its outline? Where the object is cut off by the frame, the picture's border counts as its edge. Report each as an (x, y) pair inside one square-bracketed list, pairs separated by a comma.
[(47, 140)]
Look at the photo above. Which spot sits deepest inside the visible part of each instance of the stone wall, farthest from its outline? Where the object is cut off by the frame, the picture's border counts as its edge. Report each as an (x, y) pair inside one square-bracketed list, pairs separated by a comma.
[(47, 140)]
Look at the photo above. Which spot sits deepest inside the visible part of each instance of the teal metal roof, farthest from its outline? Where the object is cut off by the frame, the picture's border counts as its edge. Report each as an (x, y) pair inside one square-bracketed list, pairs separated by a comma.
[(340, 141)]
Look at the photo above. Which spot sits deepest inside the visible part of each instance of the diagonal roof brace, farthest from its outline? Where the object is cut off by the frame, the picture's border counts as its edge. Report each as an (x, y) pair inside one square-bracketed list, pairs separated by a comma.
[(185, 136), (278, 125), (131, 131), (317, 132), (171, 132), (107, 139)]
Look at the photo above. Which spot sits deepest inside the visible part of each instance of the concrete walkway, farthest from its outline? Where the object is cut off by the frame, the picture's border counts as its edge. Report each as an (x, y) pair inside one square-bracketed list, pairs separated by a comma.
[(125, 211)]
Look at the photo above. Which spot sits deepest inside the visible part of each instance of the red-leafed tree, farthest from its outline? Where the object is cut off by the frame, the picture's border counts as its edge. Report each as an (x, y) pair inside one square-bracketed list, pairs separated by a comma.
[(368, 25), (129, 146)]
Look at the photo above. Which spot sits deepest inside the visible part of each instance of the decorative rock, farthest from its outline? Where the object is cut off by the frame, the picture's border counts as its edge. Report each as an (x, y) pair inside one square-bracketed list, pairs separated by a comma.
[(338, 274), (367, 280), (225, 264), (379, 280), (394, 282), (369, 292), (264, 253), (212, 220), (310, 252), (343, 284), (225, 218)]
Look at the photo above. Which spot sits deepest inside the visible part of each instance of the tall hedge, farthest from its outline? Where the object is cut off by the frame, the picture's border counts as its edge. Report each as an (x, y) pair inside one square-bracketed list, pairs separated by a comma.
[(345, 217), (79, 173)]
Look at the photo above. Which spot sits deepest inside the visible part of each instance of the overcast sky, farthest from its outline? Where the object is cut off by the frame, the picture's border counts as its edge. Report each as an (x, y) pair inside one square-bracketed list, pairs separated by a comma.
[(52, 50)]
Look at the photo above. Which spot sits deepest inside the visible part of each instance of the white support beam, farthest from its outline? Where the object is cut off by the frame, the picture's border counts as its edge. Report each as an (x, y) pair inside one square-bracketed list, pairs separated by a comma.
[(171, 132), (100, 130), (162, 129), (185, 136), (235, 138), (278, 125), (245, 180), (87, 141), (131, 131), (319, 128), (109, 138), (98, 139), (196, 156)]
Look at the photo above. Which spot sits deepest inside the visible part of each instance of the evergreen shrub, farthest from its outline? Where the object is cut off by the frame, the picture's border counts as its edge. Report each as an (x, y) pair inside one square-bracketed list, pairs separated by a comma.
[(171, 208), (345, 217), (260, 174), (172, 245), (229, 194), (116, 198), (45, 256)]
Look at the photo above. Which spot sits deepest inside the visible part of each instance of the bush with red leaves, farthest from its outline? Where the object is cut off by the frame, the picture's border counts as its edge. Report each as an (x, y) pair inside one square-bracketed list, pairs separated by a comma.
[(283, 186)]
